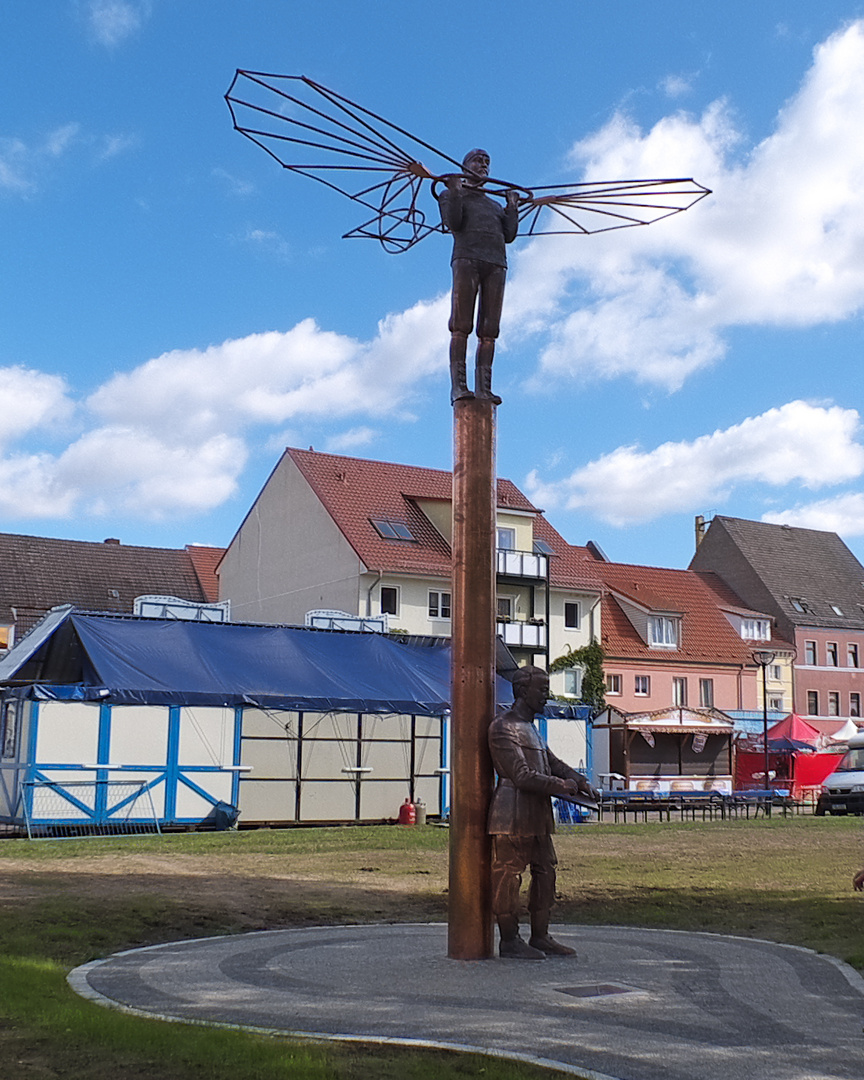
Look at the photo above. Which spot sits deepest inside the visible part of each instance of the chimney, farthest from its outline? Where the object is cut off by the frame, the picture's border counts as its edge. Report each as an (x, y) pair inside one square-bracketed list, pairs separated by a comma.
[(700, 530), (111, 540)]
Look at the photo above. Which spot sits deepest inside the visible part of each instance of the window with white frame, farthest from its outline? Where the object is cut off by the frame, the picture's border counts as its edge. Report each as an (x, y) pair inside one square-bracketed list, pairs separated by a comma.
[(812, 702), (571, 615), (810, 653), (505, 607), (833, 703), (706, 693), (642, 686), (439, 604), (389, 600), (573, 682), (506, 538), (756, 629), (852, 655), (855, 704), (662, 632), (679, 691), (775, 703), (775, 673), (613, 685), (831, 653)]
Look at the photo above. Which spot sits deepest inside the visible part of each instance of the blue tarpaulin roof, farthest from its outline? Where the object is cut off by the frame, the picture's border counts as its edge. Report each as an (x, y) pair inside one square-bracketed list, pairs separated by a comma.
[(163, 661)]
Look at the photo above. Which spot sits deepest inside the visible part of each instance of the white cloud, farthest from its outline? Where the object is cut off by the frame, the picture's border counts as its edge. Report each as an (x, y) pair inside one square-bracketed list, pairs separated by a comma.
[(269, 242), (172, 435), (273, 377), (779, 243), (842, 514), (29, 488), (234, 184), (352, 439), (112, 21), (29, 400), (21, 164), (808, 444), (139, 472), (676, 85)]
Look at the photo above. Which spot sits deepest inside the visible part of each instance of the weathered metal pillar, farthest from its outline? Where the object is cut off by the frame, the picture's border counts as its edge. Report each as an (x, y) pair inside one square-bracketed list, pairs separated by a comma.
[(473, 678)]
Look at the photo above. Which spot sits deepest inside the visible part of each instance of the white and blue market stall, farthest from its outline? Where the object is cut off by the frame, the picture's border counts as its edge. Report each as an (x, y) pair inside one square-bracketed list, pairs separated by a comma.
[(285, 724)]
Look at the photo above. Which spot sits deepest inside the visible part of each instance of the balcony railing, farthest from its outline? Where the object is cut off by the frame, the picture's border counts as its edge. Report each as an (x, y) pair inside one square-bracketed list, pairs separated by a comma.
[(521, 564), (523, 635)]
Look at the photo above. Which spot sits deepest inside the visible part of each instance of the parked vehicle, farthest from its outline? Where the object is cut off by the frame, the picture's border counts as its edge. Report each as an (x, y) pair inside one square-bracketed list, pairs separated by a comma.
[(843, 791)]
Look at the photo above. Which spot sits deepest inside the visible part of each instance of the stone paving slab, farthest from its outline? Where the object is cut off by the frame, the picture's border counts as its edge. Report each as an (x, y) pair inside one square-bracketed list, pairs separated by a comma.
[(635, 1005)]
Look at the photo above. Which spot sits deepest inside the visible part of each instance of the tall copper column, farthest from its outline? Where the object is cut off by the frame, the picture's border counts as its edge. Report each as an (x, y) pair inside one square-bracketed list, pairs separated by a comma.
[(473, 678)]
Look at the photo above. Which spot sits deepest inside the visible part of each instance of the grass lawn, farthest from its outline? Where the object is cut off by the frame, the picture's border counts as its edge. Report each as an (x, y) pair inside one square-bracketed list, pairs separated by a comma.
[(66, 902)]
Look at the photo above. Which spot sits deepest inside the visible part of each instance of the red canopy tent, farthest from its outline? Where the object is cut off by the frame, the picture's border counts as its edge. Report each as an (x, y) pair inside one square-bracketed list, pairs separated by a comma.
[(794, 728), (792, 757)]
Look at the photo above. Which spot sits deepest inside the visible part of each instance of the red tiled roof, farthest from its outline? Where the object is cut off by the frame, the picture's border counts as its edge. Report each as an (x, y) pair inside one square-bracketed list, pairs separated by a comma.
[(204, 561), (699, 598), (354, 490)]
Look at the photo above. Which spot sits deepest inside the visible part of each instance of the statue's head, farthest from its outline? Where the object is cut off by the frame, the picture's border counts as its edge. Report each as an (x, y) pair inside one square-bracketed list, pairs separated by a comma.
[(476, 161), (531, 684)]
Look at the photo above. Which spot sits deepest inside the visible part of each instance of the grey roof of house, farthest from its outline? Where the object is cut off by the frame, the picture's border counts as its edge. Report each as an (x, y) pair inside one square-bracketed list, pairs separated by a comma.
[(812, 567), (38, 573)]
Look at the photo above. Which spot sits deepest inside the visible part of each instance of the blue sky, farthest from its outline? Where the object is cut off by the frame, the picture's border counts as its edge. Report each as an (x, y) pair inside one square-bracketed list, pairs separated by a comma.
[(176, 309)]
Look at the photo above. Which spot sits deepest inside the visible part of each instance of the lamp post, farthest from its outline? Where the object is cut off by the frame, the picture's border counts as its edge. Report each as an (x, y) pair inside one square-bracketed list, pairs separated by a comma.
[(763, 658)]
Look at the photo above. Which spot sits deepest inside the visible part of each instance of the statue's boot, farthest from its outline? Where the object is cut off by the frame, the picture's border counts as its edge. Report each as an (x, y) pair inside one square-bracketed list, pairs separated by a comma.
[(541, 939), (458, 379), (511, 946), (483, 371)]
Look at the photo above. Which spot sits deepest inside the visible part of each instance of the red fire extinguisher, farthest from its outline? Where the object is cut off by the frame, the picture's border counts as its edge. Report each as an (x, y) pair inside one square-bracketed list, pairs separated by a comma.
[(407, 813)]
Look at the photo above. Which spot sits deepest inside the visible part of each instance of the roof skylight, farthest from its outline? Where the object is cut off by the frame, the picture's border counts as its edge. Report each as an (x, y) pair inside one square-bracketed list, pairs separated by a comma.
[(392, 530)]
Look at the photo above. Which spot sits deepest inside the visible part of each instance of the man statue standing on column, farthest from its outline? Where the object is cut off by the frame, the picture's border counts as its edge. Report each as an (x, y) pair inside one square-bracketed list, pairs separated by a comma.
[(481, 228), (521, 821)]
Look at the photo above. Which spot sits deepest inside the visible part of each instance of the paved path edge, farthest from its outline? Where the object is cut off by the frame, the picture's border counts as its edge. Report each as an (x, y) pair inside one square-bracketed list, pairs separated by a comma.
[(77, 980)]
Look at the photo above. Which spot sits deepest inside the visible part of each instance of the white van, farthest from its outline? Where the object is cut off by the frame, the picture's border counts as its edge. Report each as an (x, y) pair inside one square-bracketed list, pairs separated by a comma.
[(843, 791)]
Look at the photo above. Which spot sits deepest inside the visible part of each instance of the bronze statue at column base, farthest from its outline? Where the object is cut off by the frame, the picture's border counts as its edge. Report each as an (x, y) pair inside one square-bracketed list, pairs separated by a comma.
[(521, 821)]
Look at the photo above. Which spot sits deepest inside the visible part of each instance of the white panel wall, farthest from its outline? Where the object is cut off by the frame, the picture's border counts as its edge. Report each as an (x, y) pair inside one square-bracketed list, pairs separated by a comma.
[(381, 800), (191, 805), (139, 735), (206, 736), (388, 761), (567, 740), (327, 801), (68, 733), (270, 759)]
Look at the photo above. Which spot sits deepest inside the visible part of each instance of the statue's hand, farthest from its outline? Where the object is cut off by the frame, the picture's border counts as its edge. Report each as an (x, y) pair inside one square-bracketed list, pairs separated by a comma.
[(512, 197), (583, 788), (455, 182)]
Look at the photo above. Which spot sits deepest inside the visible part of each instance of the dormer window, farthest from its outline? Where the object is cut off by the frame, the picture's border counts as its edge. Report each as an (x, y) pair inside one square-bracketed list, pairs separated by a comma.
[(662, 632), (542, 548), (392, 530), (756, 629), (505, 538)]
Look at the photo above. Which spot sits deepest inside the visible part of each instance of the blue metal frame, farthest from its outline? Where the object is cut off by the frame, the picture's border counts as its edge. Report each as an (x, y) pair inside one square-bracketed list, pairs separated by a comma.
[(171, 774)]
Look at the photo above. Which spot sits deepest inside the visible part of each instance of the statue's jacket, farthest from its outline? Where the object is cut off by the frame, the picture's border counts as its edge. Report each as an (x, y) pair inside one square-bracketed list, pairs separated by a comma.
[(528, 775), (480, 226)]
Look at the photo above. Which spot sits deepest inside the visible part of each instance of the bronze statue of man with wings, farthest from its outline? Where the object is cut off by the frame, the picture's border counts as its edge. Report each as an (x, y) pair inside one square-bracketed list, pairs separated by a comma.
[(361, 155)]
